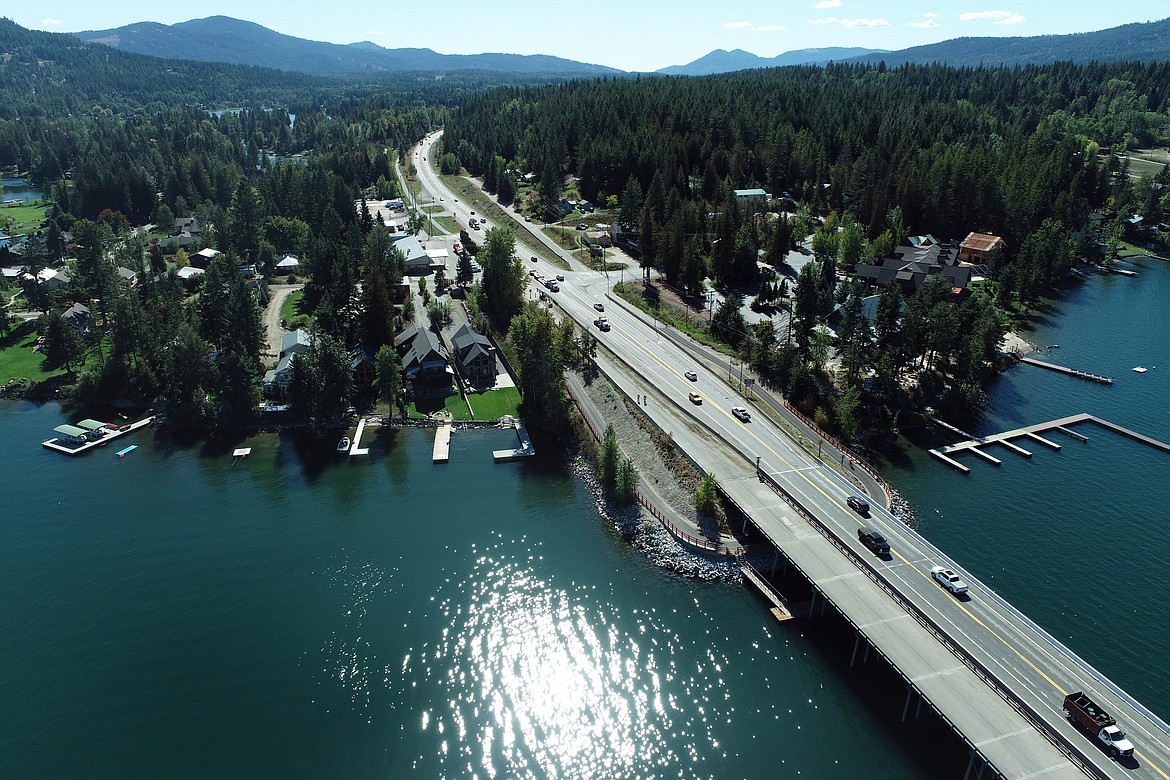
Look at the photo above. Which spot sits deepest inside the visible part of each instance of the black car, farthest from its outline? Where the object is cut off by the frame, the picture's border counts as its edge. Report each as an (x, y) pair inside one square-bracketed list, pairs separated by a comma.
[(874, 541), (858, 505)]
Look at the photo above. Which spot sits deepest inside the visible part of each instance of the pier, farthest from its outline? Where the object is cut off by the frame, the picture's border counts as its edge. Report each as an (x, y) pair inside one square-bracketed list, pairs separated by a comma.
[(355, 448), (523, 451), (1105, 380), (442, 451), (71, 442), (1032, 433)]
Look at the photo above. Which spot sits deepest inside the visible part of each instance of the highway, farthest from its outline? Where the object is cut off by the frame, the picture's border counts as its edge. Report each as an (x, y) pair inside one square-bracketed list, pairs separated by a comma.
[(922, 629)]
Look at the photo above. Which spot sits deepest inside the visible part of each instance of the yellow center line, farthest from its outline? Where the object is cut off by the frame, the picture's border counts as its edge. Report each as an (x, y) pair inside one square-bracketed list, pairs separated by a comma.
[(794, 469)]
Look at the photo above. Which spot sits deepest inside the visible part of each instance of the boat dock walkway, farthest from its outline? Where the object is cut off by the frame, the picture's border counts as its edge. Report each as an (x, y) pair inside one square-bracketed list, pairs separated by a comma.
[(1033, 432), (523, 451), (1105, 380), (74, 447), (779, 607), (442, 451), (355, 448)]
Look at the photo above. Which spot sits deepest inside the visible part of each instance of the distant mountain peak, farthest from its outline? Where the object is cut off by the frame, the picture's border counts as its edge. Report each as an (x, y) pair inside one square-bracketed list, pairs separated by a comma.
[(723, 61)]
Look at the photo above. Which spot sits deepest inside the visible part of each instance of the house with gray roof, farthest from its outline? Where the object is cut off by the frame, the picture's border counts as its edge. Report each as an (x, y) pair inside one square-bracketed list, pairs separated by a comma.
[(424, 356), (296, 342), (476, 355)]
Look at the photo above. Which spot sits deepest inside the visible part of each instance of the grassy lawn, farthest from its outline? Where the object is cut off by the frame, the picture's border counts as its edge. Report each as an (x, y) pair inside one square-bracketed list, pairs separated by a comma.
[(23, 216), (448, 223), (18, 361), (420, 410), (494, 404), (291, 306), (491, 405)]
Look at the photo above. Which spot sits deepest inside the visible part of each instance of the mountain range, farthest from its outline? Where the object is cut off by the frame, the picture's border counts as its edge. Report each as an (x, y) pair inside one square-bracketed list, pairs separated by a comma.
[(224, 39)]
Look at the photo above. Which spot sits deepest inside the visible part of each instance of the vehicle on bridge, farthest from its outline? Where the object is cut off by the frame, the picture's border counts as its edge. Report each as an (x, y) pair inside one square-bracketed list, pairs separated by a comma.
[(602, 323), (741, 414), (858, 505), (695, 398), (599, 306), (691, 375), (874, 541), (949, 580), (1084, 712)]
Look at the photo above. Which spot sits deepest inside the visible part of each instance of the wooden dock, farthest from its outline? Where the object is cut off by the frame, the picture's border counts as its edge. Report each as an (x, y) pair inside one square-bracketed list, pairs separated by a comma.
[(1105, 380), (779, 606), (73, 447), (355, 448), (442, 450), (1032, 433), (523, 451)]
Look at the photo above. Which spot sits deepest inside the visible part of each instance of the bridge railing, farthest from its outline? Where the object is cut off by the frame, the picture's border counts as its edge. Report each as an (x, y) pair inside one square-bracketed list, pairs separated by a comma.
[(1058, 740)]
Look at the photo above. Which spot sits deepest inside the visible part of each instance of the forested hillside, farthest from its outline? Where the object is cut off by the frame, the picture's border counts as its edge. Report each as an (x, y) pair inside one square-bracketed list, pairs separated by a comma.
[(118, 145), (859, 157)]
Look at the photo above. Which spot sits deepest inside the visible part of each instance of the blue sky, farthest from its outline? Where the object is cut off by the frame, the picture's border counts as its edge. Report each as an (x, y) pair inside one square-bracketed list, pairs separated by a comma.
[(630, 35)]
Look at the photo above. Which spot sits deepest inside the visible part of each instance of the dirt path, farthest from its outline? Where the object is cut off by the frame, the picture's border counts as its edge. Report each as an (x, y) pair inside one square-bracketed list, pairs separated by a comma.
[(272, 327)]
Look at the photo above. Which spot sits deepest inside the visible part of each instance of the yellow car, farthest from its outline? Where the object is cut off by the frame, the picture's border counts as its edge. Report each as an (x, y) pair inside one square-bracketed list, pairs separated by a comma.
[(695, 398)]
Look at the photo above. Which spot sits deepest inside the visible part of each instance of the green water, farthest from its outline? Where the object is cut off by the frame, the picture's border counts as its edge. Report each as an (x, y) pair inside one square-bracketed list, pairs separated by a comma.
[(1076, 539), (172, 614)]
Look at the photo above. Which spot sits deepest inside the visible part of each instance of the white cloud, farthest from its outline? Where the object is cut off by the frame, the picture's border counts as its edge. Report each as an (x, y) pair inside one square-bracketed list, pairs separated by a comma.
[(995, 17), (753, 27), (828, 4), (929, 19), (51, 22), (850, 22)]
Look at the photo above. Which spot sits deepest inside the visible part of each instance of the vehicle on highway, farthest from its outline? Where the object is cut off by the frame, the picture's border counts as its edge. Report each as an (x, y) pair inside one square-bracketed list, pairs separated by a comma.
[(874, 541), (533, 258), (741, 414), (602, 323), (527, 218), (560, 277), (457, 200), (858, 505), (694, 397), (582, 226), (691, 375), (599, 306), (949, 580), (473, 213), (1085, 712)]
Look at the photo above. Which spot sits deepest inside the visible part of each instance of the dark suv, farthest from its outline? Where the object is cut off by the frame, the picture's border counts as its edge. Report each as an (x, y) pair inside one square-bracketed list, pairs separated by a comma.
[(858, 505), (874, 541)]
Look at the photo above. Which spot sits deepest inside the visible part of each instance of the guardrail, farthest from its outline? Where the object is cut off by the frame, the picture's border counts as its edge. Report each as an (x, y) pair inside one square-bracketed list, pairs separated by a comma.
[(1058, 740)]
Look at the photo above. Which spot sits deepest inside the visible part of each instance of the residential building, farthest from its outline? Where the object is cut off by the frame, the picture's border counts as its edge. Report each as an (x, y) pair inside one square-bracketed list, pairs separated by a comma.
[(296, 342), (423, 355), (476, 355), (417, 260), (980, 247)]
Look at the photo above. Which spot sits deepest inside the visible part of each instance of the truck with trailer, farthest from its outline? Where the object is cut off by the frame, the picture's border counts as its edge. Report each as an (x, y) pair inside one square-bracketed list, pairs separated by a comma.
[(1087, 714)]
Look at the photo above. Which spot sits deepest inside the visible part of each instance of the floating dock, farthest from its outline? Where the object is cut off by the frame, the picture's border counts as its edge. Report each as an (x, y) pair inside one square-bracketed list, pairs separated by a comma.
[(355, 448), (442, 451), (1032, 432), (75, 440), (523, 451), (122, 452), (1105, 380)]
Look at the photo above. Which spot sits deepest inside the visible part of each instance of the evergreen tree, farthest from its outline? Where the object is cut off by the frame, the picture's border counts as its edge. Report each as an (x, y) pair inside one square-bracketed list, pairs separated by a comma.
[(625, 487), (389, 379), (608, 457), (503, 276)]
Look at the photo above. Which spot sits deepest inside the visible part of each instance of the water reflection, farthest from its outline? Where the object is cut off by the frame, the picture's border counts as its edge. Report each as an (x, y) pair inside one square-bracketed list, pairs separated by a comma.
[(542, 682)]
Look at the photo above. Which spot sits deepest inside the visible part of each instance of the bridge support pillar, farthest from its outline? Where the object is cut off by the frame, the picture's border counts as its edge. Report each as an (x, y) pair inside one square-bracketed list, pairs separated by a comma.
[(977, 764), (856, 644), (812, 604), (775, 560), (865, 657), (906, 709)]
